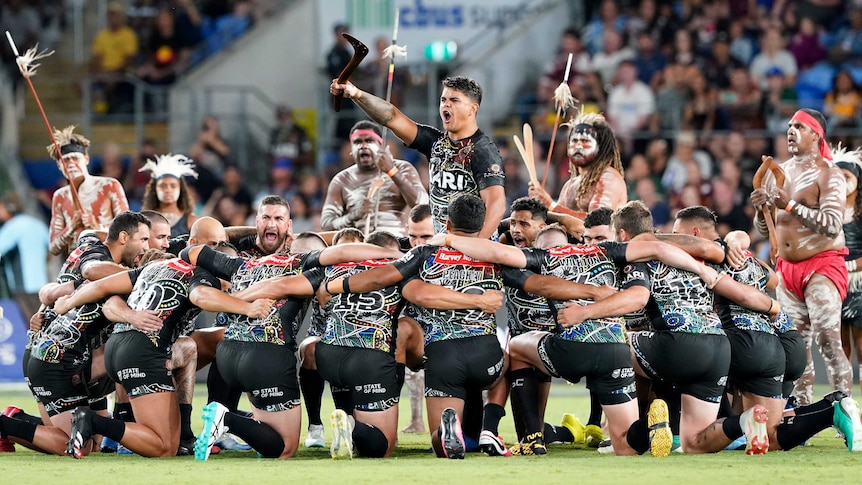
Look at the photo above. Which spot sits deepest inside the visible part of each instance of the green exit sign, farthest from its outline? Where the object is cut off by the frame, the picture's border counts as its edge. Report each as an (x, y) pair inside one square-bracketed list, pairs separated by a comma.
[(441, 51)]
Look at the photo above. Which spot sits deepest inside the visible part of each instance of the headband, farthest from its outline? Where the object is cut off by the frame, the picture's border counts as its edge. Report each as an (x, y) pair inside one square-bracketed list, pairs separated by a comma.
[(809, 121), (72, 148), (585, 128), (853, 168), (370, 133)]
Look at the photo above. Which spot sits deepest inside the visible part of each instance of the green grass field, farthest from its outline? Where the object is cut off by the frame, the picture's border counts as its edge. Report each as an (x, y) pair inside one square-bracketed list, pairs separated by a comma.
[(827, 459)]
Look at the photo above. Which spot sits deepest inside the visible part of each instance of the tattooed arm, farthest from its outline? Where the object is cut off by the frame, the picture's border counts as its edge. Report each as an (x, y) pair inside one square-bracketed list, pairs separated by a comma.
[(378, 110)]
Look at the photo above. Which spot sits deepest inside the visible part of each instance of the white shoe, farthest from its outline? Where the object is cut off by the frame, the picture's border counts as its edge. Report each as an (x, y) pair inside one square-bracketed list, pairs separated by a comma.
[(342, 435), (753, 422), (214, 428), (314, 438)]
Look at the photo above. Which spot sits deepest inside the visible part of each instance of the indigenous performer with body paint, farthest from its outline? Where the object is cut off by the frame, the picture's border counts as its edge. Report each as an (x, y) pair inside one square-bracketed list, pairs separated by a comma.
[(812, 274), (101, 198), (850, 163), (399, 187), (595, 167)]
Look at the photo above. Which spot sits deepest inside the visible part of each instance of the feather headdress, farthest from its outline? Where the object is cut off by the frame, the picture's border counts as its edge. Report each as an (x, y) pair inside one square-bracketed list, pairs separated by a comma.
[(178, 166), (394, 51), (584, 117), (841, 154)]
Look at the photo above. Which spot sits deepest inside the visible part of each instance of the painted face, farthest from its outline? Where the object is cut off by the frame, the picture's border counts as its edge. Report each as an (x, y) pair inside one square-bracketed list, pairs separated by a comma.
[(75, 164), (583, 145), (273, 225), (135, 247), (524, 228), (160, 234), (801, 139), (420, 232), (168, 190), (456, 111), (852, 181), (597, 234), (364, 148)]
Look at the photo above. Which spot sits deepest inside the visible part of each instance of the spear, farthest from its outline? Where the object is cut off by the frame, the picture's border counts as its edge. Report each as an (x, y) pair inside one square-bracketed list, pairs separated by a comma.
[(564, 100)]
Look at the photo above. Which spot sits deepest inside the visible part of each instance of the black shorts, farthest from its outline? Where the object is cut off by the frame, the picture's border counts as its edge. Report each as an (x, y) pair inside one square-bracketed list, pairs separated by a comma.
[(369, 374), (851, 310), (756, 362), (139, 366), (100, 388), (696, 364), (795, 359), (607, 367), (456, 365), (59, 387), (266, 371)]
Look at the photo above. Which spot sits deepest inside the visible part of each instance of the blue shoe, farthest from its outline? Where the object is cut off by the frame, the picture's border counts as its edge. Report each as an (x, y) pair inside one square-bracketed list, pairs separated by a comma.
[(214, 428), (737, 444), (122, 450), (108, 445), (228, 442)]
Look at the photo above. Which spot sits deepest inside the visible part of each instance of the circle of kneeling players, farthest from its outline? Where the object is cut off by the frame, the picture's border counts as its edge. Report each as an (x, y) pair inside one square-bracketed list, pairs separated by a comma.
[(670, 331)]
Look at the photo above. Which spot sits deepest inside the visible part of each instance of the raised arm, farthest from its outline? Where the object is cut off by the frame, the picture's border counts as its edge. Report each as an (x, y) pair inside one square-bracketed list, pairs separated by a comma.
[(573, 225), (482, 249), (436, 297), (118, 284), (378, 110)]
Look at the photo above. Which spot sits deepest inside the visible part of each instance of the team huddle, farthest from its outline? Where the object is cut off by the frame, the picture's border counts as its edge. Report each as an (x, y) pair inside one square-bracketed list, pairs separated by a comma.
[(676, 336)]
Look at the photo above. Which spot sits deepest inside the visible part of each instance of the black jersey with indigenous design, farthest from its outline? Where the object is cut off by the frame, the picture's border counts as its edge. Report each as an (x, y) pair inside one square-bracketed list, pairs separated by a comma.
[(164, 287), (70, 337), (364, 320), (71, 269), (734, 315), (247, 247), (679, 300), (458, 167), (590, 265), (243, 273), (852, 307), (527, 312), (89, 248), (452, 269)]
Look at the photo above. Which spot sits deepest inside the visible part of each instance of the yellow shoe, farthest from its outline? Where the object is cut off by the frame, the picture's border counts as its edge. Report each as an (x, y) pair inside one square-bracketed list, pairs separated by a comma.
[(660, 436), (593, 436), (574, 425)]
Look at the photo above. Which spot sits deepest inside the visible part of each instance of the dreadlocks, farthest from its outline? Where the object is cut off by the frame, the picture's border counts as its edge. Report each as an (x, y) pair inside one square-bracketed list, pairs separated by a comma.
[(607, 155)]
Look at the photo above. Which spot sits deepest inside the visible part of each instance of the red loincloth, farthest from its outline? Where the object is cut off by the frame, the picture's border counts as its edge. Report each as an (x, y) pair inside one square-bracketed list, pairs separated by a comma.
[(830, 264)]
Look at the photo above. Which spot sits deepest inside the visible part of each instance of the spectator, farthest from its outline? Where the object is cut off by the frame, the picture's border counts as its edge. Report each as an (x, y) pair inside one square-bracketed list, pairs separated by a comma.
[(719, 66), (609, 18), (135, 180), (114, 51), (646, 192), (740, 103), (685, 160), (336, 59), (847, 43), (630, 105), (167, 53), (189, 22), (289, 140), (699, 112), (606, 62), (842, 103), (111, 164), (210, 150), (649, 21), (772, 55), (731, 213), (683, 49), (374, 74), (657, 156), (637, 170), (234, 188), (555, 71), (280, 180), (779, 102), (806, 46), (303, 217), (29, 237), (741, 46), (22, 23), (649, 60), (671, 101)]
